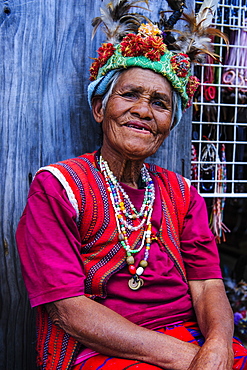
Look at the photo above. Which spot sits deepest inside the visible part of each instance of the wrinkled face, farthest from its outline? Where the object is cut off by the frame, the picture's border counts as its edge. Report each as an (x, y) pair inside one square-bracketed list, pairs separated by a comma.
[(137, 117)]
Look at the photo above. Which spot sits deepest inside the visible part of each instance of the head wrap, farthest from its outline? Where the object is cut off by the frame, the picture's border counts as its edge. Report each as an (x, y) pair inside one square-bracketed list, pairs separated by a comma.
[(145, 48)]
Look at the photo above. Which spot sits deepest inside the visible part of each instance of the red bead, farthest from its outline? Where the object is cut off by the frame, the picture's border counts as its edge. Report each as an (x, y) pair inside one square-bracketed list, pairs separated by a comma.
[(132, 269)]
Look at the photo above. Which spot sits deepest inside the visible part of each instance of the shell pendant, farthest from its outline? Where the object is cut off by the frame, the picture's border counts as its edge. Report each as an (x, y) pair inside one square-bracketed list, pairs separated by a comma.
[(135, 282)]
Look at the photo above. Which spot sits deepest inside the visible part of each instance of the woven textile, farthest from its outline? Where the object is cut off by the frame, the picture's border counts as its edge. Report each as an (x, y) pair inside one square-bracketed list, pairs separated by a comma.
[(56, 349), (188, 332)]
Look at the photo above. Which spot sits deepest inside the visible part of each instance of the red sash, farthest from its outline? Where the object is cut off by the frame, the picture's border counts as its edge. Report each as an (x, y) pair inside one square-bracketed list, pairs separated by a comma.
[(188, 332)]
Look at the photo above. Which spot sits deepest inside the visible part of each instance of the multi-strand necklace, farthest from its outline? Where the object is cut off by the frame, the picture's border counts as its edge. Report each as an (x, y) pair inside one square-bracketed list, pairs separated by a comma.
[(126, 213)]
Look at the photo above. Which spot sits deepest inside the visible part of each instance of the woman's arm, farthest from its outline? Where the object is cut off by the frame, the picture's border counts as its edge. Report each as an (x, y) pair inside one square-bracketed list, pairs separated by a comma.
[(215, 319), (107, 332)]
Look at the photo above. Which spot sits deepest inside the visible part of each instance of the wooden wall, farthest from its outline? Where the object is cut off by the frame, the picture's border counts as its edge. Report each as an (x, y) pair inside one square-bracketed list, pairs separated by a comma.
[(45, 50)]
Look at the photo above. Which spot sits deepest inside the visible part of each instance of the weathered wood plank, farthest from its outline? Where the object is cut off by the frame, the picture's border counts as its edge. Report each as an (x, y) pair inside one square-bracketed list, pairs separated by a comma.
[(19, 113), (45, 51)]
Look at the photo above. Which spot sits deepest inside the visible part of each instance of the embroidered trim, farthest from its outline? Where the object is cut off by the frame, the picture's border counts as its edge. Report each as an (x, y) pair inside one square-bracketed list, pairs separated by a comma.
[(65, 184)]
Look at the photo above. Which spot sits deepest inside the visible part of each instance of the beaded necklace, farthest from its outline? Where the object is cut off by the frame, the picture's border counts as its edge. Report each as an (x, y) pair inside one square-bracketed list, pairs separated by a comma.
[(125, 213)]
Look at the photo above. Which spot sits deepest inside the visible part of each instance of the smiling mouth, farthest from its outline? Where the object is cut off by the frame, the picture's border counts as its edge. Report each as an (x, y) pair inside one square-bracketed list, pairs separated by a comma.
[(138, 127)]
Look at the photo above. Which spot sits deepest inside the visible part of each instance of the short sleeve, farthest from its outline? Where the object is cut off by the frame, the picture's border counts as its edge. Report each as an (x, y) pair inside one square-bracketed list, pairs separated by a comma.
[(48, 242), (198, 246)]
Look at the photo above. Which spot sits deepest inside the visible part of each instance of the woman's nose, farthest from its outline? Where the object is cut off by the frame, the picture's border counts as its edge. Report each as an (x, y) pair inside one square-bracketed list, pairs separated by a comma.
[(142, 108)]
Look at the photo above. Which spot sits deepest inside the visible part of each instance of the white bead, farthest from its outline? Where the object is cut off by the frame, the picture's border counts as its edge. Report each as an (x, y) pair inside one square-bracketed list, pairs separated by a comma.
[(139, 270)]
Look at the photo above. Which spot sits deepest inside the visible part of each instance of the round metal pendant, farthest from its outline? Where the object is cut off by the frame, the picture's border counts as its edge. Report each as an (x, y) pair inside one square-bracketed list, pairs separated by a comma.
[(135, 283)]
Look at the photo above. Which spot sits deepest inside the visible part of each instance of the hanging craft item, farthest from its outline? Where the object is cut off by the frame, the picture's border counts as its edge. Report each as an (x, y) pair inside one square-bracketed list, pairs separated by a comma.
[(216, 220), (209, 91), (194, 168), (213, 180), (235, 80), (235, 74), (207, 167)]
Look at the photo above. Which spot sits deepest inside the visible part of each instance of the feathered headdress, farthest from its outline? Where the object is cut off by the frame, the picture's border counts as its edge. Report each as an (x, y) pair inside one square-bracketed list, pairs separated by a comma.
[(117, 19), (196, 39), (130, 43)]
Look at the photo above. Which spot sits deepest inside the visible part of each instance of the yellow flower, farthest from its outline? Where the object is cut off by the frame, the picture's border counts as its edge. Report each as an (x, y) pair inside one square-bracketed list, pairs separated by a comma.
[(149, 30)]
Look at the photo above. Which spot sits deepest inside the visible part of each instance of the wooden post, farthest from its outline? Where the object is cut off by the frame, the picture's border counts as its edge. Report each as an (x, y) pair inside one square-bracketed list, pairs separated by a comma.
[(45, 56)]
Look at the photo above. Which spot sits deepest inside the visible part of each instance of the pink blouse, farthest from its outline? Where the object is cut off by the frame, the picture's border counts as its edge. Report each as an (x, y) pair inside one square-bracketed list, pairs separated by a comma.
[(49, 246)]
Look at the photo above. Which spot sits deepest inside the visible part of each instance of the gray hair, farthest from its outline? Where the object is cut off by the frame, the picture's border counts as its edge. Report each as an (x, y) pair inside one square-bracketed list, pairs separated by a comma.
[(112, 83)]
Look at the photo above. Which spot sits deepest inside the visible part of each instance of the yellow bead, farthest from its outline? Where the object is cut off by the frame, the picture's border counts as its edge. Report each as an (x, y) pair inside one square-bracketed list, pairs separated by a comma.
[(143, 263)]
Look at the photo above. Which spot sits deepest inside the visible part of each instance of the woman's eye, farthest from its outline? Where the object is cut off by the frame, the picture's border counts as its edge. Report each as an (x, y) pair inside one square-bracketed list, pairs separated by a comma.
[(128, 94), (160, 104)]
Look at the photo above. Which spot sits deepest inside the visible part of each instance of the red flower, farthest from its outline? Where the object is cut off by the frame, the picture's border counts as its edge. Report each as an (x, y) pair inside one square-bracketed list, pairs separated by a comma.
[(192, 85), (94, 69), (132, 45), (153, 47), (104, 52), (191, 88)]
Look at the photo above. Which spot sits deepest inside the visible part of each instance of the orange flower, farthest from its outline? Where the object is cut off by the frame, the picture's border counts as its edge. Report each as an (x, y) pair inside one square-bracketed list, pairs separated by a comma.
[(149, 29)]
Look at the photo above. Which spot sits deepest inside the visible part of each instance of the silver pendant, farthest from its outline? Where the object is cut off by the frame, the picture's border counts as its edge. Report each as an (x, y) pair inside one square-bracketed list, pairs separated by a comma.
[(135, 283)]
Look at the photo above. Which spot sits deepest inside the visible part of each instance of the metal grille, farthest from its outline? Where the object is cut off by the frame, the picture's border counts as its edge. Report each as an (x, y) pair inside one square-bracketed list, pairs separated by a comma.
[(219, 136)]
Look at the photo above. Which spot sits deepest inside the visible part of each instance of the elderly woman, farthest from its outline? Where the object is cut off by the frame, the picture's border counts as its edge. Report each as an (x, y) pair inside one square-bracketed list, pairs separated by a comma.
[(116, 254)]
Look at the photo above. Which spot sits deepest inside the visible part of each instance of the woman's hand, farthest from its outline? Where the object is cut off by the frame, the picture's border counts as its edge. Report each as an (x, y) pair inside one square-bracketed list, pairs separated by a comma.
[(215, 319), (213, 355), (106, 332)]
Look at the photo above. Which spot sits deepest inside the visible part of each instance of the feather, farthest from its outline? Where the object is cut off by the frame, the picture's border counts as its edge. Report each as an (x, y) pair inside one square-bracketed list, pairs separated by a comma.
[(207, 12), (197, 39), (117, 20), (165, 24), (176, 4)]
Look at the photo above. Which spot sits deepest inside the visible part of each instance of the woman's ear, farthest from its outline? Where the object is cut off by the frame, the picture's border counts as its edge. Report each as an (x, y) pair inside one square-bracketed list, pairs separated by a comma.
[(97, 109)]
